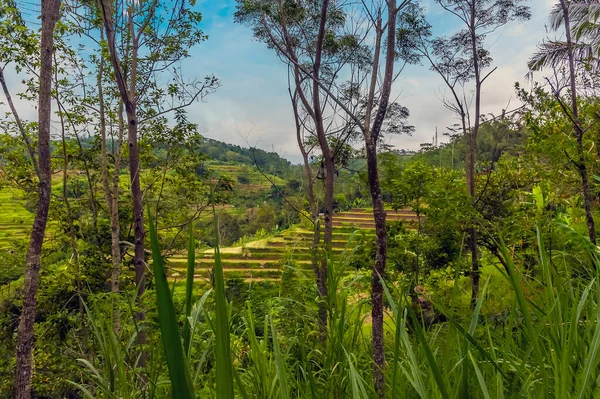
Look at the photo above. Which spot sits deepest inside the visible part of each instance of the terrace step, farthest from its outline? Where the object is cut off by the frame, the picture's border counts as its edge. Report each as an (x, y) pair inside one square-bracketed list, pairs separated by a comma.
[(272, 274), (278, 245), (337, 235), (334, 243), (361, 225), (236, 264), (359, 215)]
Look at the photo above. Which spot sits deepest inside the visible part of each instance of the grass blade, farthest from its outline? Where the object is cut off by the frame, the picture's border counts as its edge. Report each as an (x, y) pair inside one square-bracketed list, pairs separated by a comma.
[(279, 363), (181, 381), (224, 367), (435, 370), (189, 287), (480, 377), (515, 279)]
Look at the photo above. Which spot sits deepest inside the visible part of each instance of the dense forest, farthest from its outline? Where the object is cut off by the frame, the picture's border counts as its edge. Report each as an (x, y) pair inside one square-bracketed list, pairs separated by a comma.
[(141, 259)]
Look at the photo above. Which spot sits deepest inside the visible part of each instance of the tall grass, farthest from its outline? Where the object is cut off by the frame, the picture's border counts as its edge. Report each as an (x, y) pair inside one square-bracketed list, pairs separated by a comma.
[(547, 345)]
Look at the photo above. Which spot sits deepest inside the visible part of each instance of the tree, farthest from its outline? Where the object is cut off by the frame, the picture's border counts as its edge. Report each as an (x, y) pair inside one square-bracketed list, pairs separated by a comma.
[(364, 102), (549, 56), (154, 39), (459, 59), (25, 338), (306, 35), (584, 25)]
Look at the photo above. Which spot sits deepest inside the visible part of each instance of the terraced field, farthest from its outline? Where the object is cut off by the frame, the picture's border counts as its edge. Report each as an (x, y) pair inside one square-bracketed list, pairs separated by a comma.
[(263, 259), (256, 181), (15, 219)]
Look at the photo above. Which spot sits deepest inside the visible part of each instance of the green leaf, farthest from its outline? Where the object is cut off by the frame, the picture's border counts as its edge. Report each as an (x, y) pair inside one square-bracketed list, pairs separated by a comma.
[(181, 381), (224, 366), (279, 363), (189, 287)]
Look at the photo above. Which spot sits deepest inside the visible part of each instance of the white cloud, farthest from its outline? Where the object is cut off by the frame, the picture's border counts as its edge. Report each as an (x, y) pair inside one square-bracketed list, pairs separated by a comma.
[(253, 99)]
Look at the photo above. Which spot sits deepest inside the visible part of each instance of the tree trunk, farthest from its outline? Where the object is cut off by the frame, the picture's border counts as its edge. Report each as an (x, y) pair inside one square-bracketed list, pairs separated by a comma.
[(470, 175), (328, 159), (371, 138), (378, 270), (128, 96), (587, 201), (25, 338), (112, 196), (314, 213), (138, 216), (472, 153)]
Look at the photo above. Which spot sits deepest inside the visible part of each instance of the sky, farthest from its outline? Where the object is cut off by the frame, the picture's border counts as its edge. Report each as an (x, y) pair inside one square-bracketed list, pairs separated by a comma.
[(252, 105)]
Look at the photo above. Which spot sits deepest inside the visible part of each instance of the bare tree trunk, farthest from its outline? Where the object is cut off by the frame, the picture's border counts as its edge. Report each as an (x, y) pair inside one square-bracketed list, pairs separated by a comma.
[(328, 159), (315, 112), (471, 155), (138, 216), (112, 197), (378, 271), (371, 138), (587, 201), (314, 213), (25, 338)]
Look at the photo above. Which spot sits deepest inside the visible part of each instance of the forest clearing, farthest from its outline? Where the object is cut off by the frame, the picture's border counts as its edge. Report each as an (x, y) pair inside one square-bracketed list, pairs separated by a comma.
[(299, 199)]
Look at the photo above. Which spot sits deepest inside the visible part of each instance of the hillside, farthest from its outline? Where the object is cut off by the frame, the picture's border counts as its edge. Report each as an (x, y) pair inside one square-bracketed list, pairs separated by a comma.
[(266, 258), (269, 162)]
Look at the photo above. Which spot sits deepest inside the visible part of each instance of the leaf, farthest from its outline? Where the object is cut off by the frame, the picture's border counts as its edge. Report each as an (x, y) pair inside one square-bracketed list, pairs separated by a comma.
[(224, 367), (189, 287), (181, 381)]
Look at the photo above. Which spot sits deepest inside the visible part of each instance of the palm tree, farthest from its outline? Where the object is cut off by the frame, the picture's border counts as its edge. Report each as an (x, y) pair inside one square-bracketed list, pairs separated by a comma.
[(585, 31)]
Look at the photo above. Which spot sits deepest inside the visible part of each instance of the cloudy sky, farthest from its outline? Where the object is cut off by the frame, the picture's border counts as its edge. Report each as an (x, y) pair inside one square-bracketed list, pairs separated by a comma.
[(253, 103)]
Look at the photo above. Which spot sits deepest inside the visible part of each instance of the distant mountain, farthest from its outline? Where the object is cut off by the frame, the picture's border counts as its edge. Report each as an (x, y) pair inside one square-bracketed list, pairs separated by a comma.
[(269, 162)]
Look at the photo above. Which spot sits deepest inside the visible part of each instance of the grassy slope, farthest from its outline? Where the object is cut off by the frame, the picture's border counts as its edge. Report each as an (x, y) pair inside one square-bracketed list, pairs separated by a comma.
[(15, 219)]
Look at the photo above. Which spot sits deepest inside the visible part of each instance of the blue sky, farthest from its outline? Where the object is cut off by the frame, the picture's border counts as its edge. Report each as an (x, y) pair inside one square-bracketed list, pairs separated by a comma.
[(253, 105)]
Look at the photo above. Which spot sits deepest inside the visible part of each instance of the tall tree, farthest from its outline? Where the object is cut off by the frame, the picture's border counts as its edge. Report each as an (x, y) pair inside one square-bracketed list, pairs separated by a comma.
[(459, 59), (365, 101), (154, 37), (25, 337), (310, 191), (127, 90), (306, 35), (565, 53)]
